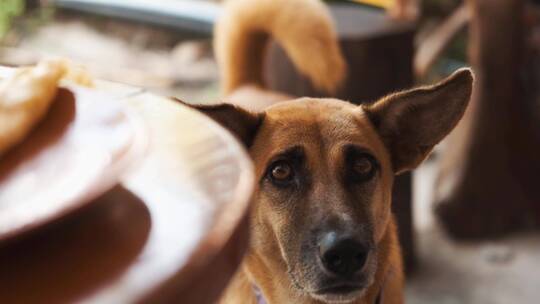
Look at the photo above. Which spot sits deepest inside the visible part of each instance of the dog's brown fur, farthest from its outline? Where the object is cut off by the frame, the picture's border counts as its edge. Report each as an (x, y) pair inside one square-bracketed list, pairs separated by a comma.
[(316, 138)]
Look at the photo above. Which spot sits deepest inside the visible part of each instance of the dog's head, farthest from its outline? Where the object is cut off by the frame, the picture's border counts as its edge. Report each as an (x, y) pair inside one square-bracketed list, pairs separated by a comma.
[(325, 170)]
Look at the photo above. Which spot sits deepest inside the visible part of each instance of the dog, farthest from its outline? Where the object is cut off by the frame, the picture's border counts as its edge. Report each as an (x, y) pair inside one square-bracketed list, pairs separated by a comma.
[(322, 230)]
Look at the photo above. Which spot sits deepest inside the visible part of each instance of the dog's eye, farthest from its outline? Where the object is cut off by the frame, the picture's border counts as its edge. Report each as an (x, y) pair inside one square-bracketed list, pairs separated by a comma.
[(363, 167), (281, 171)]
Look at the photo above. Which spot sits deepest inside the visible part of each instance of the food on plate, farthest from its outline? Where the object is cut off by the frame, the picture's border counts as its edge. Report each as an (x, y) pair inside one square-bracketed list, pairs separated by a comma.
[(26, 96)]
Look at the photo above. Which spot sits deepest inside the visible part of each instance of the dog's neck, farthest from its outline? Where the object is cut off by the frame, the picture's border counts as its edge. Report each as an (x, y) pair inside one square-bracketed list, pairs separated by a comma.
[(268, 275)]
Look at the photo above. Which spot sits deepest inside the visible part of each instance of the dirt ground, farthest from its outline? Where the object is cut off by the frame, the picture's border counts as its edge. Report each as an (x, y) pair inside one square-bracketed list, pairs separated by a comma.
[(499, 272)]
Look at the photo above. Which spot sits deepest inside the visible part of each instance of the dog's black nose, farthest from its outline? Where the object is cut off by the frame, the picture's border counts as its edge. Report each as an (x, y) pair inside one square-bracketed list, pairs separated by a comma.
[(342, 256)]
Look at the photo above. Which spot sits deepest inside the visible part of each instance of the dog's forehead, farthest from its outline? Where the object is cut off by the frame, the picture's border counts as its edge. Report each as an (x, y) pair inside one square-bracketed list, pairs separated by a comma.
[(308, 103), (311, 121), (310, 112)]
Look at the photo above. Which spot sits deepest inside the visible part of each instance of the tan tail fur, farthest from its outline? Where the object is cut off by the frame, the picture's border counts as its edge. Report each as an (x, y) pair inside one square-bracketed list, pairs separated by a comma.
[(303, 28)]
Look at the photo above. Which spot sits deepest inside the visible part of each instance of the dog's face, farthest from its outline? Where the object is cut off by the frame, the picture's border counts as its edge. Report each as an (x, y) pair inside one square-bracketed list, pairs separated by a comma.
[(323, 197), (325, 170)]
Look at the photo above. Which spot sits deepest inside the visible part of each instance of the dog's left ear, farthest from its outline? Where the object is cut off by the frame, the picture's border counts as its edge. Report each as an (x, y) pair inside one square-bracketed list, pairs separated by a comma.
[(411, 123), (242, 123)]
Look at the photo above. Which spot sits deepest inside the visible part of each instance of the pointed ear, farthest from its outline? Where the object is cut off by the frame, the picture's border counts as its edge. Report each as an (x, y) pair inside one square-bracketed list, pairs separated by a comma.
[(411, 123), (243, 124)]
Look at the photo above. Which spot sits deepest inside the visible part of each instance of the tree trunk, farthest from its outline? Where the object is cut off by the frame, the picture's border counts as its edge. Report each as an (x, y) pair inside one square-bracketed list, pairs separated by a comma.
[(488, 184)]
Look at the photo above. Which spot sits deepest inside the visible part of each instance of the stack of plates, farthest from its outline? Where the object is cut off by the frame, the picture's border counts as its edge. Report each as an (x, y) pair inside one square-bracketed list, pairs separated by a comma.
[(119, 196)]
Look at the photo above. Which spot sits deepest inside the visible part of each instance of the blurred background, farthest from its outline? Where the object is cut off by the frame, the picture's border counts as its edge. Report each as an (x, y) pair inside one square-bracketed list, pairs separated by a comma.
[(468, 217)]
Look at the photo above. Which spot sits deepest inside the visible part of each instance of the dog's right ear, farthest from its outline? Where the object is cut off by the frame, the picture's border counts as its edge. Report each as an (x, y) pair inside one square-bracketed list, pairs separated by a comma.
[(242, 123)]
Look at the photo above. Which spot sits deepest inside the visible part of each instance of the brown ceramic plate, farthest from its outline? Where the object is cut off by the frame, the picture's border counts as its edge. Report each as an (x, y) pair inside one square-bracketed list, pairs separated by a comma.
[(196, 181), (173, 231), (74, 155)]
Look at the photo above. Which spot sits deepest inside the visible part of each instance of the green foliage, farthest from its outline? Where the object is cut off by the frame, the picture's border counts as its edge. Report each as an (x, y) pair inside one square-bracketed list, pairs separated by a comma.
[(8, 10)]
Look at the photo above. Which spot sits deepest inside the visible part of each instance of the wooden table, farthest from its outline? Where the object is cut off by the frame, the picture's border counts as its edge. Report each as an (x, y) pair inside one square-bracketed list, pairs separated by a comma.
[(168, 225)]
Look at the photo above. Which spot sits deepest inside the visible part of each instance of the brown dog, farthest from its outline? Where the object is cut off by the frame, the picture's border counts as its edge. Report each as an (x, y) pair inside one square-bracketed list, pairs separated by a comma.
[(321, 224)]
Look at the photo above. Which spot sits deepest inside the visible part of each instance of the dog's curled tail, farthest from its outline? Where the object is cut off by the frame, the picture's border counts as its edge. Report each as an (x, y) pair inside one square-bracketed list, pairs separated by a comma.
[(303, 28)]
